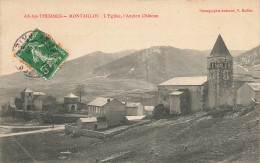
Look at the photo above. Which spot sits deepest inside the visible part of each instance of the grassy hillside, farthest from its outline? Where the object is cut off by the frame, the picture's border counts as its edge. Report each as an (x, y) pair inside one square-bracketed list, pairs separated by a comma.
[(156, 64), (247, 64), (81, 68), (98, 86), (219, 136), (249, 58)]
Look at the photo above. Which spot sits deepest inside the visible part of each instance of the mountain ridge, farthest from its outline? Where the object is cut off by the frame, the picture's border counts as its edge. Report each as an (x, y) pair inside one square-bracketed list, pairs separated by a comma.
[(156, 63)]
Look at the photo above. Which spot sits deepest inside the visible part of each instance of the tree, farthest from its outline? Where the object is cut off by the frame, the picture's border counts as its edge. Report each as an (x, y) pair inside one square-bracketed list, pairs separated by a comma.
[(80, 91)]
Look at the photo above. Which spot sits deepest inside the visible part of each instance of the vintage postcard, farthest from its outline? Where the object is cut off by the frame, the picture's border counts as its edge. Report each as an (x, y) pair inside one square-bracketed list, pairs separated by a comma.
[(129, 81)]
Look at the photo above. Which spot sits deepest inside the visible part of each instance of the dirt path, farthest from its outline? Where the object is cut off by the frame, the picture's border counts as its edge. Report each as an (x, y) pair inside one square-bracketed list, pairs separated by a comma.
[(11, 126), (57, 127)]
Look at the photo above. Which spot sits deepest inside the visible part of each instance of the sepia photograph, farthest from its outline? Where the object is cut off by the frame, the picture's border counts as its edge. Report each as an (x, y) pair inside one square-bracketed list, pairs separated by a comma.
[(140, 81)]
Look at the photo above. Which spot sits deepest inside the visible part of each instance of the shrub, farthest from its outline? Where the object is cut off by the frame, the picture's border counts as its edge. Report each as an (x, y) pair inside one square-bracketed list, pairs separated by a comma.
[(160, 112)]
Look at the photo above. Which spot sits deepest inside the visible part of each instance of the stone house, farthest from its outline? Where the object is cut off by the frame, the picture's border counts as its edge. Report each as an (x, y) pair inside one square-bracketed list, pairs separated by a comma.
[(92, 123), (183, 94), (248, 94), (112, 109), (134, 108), (148, 110), (115, 113), (178, 103), (96, 107)]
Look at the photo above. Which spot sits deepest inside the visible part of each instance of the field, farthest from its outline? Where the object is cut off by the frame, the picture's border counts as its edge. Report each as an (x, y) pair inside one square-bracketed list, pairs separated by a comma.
[(125, 89), (220, 136)]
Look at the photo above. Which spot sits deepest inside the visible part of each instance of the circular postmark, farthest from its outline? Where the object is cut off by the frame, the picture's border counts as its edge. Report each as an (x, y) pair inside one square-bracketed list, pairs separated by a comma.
[(37, 50), (20, 65)]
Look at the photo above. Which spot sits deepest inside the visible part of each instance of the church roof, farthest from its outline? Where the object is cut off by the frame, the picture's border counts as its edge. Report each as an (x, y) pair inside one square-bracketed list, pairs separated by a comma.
[(189, 81), (220, 49)]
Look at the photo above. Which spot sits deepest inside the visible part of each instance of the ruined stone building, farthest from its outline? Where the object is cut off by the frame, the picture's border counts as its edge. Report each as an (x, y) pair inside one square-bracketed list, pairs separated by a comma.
[(31, 100)]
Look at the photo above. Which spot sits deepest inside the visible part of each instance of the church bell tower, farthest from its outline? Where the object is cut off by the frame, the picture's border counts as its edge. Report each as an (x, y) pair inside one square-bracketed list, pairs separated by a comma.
[(220, 76)]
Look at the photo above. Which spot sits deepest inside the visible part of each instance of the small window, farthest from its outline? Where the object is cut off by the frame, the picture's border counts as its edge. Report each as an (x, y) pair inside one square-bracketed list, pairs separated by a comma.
[(213, 65), (30, 94), (225, 75), (212, 75)]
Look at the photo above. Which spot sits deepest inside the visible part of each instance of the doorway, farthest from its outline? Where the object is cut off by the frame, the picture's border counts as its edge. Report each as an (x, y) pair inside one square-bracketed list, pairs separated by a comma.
[(95, 126)]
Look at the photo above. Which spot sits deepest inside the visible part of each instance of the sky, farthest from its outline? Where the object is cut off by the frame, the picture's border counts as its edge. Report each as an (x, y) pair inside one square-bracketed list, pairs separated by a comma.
[(180, 24)]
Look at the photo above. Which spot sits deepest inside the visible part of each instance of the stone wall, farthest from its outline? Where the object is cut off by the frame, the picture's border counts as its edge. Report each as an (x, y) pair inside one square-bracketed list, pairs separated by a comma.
[(98, 134)]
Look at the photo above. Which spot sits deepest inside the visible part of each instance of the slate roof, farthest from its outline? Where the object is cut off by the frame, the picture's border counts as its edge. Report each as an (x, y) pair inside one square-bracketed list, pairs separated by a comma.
[(132, 104), (27, 90), (39, 93), (254, 86), (220, 49), (72, 96), (149, 108), (39, 98), (188, 81), (99, 101), (93, 119)]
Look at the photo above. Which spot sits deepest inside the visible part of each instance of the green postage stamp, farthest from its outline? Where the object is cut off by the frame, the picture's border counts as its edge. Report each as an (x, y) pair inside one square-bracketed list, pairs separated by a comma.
[(42, 54)]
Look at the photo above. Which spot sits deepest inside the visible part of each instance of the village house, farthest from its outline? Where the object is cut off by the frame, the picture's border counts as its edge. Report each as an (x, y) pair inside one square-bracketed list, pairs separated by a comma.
[(92, 123), (134, 108), (148, 110), (112, 109), (115, 113), (71, 103), (248, 94), (96, 107), (179, 102)]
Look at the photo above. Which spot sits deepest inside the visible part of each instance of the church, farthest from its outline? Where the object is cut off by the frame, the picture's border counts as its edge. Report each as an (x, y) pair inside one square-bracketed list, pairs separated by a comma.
[(197, 93)]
